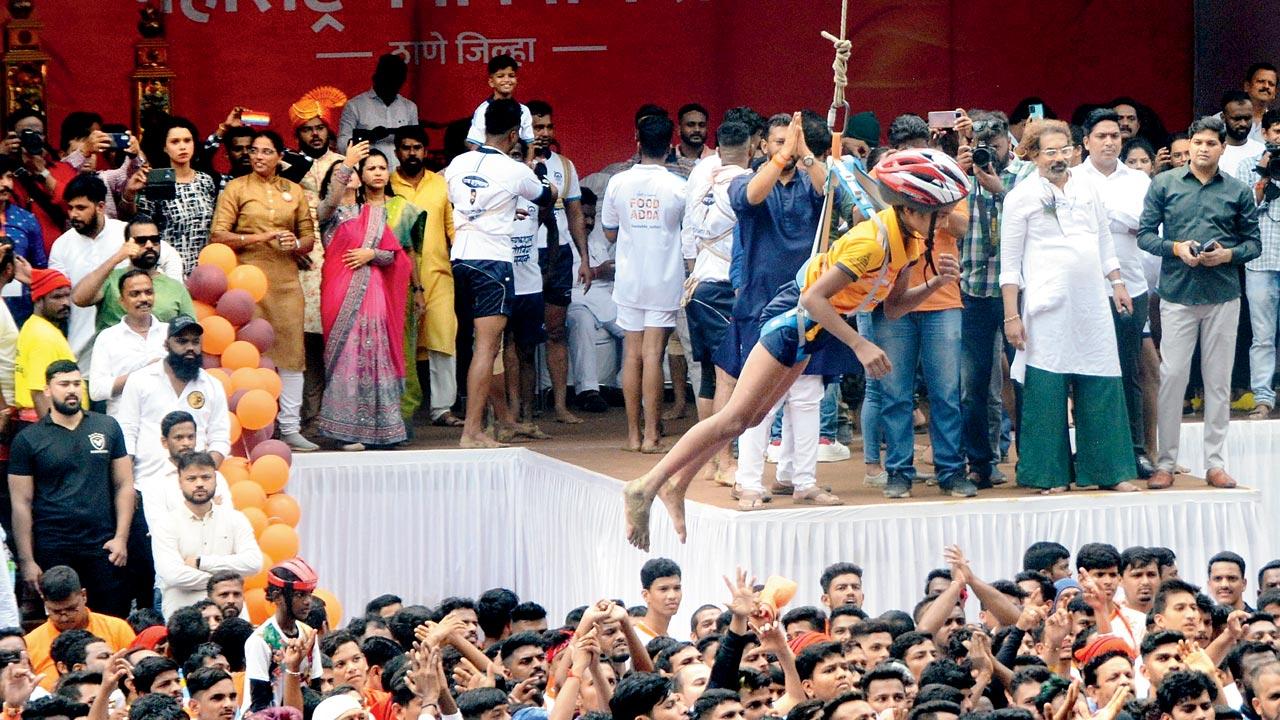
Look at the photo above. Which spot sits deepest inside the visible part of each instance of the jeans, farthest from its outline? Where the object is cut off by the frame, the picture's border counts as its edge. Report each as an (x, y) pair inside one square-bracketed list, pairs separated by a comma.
[(1263, 290), (931, 338), (980, 323), (1129, 344), (872, 424)]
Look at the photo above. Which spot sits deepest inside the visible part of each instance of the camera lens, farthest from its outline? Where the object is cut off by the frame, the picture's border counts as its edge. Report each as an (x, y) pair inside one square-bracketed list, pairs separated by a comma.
[(982, 156)]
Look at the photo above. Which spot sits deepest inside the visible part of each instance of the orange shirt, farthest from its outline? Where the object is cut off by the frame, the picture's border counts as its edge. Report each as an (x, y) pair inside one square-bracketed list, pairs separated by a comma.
[(378, 703), (113, 630), (946, 297)]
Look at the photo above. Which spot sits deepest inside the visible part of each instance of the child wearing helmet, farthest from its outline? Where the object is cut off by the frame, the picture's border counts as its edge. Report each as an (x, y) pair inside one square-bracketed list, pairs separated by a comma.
[(289, 587), (863, 269)]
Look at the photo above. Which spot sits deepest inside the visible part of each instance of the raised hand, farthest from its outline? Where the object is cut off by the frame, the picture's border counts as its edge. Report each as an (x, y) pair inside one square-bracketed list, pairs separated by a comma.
[(742, 594)]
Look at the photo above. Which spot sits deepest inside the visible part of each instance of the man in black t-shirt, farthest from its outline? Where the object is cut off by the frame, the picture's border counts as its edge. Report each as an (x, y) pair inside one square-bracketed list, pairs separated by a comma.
[(72, 484)]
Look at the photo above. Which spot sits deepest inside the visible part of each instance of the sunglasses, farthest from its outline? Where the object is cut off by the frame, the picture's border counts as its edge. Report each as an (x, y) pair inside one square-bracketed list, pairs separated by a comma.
[(147, 240)]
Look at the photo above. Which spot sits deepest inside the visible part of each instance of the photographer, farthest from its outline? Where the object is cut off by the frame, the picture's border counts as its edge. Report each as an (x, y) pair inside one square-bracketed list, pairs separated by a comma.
[(1262, 275), (85, 147), (995, 171), (38, 174)]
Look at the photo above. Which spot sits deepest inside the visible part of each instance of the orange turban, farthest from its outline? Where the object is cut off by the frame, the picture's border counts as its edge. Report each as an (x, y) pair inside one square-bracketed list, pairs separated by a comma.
[(321, 102), (1100, 645), (805, 639)]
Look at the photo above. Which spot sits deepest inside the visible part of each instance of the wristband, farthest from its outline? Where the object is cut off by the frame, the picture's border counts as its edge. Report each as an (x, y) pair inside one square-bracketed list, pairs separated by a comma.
[(295, 673), (781, 165), (1117, 281)]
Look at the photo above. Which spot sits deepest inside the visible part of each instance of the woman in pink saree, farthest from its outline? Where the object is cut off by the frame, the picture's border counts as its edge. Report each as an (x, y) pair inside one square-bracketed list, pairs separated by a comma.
[(363, 294)]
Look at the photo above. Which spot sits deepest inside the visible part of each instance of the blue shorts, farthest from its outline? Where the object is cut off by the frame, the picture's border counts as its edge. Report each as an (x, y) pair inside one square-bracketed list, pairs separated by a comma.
[(708, 312), (528, 322), (559, 279), (780, 333), (487, 286)]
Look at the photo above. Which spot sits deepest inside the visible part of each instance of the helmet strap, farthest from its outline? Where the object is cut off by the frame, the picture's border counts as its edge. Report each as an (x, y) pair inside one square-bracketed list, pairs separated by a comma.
[(928, 242)]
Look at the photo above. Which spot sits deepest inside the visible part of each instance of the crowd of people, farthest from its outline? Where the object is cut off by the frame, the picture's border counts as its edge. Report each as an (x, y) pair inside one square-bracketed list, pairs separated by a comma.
[(1111, 636)]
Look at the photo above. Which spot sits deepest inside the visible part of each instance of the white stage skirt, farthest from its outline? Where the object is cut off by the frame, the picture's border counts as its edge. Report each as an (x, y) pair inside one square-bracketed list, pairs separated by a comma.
[(432, 523)]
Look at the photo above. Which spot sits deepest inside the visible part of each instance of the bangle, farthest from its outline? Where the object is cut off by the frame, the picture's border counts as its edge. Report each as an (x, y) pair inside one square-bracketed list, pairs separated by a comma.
[(295, 673), (1011, 318), (1117, 281)]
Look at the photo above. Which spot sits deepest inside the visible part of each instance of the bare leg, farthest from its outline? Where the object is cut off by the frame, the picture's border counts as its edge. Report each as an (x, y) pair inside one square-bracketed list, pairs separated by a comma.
[(763, 381), (632, 346), (655, 344), (679, 384), (512, 375), (558, 362), (488, 332)]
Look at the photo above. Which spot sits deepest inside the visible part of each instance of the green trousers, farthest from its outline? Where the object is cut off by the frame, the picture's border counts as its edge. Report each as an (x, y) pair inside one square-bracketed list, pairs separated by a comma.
[(1104, 454), (411, 399)]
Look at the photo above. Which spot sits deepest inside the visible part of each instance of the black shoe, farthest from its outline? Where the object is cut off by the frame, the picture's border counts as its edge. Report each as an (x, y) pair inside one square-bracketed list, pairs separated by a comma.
[(591, 401), (899, 486), (961, 487), (1146, 468), (979, 482)]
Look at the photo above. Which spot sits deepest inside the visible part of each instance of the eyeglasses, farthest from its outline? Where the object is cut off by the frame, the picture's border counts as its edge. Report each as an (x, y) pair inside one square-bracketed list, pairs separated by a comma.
[(147, 240), (1056, 152), (262, 151)]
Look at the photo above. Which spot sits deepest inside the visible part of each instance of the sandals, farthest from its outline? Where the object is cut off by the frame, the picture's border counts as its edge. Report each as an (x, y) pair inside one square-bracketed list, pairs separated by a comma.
[(816, 496), (1261, 411), (749, 500)]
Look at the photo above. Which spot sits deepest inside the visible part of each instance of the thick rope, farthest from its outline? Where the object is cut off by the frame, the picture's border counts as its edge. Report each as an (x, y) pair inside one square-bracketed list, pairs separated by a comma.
[(840, 79)]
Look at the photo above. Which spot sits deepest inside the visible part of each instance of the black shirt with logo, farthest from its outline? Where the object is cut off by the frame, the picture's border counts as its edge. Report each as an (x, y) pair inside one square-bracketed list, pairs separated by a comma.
[(74, 501)]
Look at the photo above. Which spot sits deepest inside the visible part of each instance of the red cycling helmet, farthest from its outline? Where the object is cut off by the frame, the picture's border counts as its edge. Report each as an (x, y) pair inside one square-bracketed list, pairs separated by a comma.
[(307, 578), (924, 180)]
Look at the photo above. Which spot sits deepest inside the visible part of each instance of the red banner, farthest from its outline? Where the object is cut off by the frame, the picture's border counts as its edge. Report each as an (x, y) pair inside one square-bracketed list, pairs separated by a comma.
[(595, 61)]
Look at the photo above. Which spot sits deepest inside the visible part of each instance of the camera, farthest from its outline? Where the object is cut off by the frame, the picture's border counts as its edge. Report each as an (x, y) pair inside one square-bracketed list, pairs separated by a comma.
[(32, 142), (1272, 168), (984, 156), (120, 140)]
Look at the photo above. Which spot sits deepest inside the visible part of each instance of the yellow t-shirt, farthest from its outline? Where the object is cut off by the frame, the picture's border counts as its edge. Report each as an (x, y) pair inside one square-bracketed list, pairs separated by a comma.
[(860, 253), (40, 342)]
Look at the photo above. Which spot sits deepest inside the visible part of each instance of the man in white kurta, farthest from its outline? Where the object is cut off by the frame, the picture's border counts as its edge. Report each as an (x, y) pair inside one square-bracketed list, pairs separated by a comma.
[(1056, 248)]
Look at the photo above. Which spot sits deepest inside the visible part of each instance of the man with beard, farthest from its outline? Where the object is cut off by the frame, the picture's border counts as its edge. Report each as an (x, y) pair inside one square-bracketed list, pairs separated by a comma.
[(438, 329), (140, 252), (93, 239), (1237, 114), (72, 487), (1139, 578), (526, 664), (178, 383), (133, 343), (201, 538), (160, 492), (693, 132), (313, 118), (41, 342), (1056, 258)]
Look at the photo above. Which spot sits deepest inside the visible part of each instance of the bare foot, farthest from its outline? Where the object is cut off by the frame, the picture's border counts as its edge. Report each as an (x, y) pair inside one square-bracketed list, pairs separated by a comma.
[(633, 445), (673, 498), (725, 474), (1123, 487), (564, 416), (637, 505), (655, 447), (1054, 491), (677, 412), (479, 441)]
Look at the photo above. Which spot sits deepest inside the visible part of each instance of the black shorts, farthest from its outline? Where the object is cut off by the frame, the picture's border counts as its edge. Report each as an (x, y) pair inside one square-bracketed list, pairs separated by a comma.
[(708, 313), (559, 281), (487, 286), (528, 323)]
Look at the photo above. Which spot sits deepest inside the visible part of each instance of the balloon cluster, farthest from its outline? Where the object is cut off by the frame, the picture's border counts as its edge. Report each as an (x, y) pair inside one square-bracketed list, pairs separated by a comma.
[(234, 342)]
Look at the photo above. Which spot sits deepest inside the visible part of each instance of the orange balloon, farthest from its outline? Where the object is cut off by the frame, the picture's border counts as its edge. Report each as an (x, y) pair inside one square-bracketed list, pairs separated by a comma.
[(259, 579), (221, 376), (279, 540), (234, 469), (250, 279), (218, 334), (256, 410), (203, 309), (257, 519), (255, 601), (245, 379), (269, 380), (246, 494), (240, 354), (271, 472), (218, 255), (332, 608), (283, 508), (234, 422)]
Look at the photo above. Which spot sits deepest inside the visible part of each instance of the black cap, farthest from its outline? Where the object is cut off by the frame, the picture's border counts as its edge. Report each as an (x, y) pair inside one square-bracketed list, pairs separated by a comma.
[(181, 323)]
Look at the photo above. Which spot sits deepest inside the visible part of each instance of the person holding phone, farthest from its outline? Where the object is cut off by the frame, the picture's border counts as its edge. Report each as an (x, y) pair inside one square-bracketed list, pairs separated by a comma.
[(266, 220), (187, 212), (1210, 227)]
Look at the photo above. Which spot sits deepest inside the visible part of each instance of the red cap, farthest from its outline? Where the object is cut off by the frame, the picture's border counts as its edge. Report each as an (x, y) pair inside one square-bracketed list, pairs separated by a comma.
[(307, 578)]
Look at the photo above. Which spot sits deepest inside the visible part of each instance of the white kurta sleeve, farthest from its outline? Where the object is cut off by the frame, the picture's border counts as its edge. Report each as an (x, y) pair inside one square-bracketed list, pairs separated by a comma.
[(1106, 243), (1013, 239)]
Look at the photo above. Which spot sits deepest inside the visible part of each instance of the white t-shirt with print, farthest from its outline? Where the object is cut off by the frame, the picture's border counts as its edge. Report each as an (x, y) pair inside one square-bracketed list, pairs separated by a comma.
[(645, 205), (484, 186)]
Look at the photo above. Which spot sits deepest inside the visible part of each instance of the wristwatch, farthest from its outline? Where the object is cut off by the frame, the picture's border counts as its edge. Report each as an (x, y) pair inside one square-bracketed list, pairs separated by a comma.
[(808, 160)]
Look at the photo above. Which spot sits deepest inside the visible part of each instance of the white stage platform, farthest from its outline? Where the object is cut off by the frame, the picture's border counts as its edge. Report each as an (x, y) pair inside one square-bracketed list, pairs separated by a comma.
[(426, 524)]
